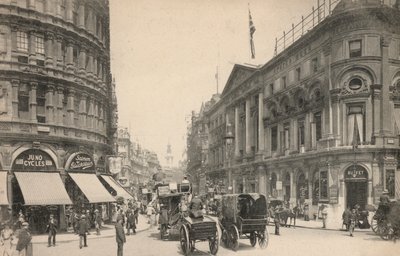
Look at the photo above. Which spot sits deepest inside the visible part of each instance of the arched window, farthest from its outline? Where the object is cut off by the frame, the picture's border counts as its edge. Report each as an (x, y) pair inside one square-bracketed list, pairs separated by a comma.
[(315, 188), (302, 187)]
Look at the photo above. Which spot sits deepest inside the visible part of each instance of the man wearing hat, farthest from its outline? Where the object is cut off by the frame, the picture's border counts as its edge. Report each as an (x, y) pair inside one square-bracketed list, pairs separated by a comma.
[(83, 229), (6, 235), (24, 239), (51, 229), (277, 220), (384, 198), (97, 221)]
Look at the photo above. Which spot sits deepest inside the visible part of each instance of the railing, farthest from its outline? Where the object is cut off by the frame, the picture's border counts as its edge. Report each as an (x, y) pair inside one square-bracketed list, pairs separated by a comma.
[(323, 10)]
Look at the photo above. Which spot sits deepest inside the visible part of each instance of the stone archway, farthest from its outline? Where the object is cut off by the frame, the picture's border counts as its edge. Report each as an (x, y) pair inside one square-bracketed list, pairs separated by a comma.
[(356, 179)]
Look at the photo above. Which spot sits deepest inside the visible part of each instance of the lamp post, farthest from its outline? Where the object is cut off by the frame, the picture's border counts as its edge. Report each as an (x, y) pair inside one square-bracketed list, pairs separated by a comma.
[(229, 141)]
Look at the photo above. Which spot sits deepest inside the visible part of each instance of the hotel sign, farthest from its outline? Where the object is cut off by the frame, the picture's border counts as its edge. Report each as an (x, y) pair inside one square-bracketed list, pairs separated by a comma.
[(33, 160)]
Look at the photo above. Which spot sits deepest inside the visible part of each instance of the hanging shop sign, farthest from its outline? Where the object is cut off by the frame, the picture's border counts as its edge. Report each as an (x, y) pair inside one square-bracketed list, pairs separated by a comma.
[(114, 164), (81, 162), (34, 160), (356, 173)]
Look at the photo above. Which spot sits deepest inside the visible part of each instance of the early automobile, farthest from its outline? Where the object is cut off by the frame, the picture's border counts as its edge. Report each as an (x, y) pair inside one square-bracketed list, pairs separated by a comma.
[(244, 215)]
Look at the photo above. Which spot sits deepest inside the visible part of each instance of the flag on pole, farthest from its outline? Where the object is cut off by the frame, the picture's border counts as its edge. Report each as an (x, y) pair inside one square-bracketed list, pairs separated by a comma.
[(252, 29)]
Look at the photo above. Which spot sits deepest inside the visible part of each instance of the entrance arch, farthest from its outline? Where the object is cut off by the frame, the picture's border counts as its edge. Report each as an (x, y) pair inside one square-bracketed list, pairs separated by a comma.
[(356, 179)]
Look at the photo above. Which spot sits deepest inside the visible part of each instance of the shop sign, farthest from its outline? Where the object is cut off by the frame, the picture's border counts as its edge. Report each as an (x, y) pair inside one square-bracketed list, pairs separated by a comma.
[(333, 195), (356, 174), (33, 160), (279, 185), (81, 162), (163, 190), (114, 164)]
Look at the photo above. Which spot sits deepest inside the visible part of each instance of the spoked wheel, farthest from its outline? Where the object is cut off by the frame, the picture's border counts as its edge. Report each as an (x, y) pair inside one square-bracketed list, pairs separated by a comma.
[(163, 231), (213, 244), (263, 238), (374, 224), (386, 232), (253, 239), (184, 240), (234, 237)]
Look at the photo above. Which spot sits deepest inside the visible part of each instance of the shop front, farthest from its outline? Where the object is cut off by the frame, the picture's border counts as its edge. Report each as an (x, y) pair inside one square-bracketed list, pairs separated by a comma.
[(84, 187), (37, 189), (356, 179)]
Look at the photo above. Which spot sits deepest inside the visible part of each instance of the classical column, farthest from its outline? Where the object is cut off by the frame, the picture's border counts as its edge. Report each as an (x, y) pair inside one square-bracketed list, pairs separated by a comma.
[(101, 118), (376, 107), (82, 61), (69, 6), (262, 180), (15, 88), (49, 49), (31, 4), (58, 9), (96, 115), (247, 117), (94, 67), (370, 199), (83, 111), (386, 117), (59, 53), (397, 183), (48, 6), (326, 49), (261, 146), (32, 101), (89, 66), (69, 60), (60, 106), (32, 48), (90, 17), (237, 135), (70, 107), (81, 15), (50, 104), (91, 113)]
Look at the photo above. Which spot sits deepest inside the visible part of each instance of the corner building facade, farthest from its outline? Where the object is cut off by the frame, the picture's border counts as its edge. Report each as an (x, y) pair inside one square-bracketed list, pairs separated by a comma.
[(319, 123), (57, 97)]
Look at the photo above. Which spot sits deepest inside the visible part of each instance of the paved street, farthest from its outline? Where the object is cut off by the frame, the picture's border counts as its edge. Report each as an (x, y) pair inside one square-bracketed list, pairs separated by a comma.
[(293, 241)]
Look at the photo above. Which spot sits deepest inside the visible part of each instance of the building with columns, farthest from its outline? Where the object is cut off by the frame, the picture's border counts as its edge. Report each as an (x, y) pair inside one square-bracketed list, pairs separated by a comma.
[(319, 122), (58, 111)]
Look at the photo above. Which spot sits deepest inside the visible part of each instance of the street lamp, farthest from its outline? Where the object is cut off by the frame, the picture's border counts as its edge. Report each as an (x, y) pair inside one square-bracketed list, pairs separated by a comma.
[(229, 140)]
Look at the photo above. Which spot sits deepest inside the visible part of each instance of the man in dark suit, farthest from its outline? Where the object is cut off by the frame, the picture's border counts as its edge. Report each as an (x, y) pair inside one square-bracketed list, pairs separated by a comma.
[(24, 239), (120, 237), (52, 230), (83, 229)]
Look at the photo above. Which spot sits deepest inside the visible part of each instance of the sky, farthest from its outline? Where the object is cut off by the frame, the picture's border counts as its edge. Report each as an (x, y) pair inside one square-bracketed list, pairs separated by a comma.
[(165, 54)]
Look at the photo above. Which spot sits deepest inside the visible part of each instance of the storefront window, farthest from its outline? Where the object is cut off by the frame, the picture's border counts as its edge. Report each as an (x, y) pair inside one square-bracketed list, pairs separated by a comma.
[(390, 178), (272, 188), (315, 193), (302, 188), (324, 185)]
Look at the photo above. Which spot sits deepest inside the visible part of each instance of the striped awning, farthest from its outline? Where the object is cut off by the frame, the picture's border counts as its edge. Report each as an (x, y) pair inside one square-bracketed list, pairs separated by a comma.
[(42, 188), (3, 189), (114, 185), (91, 186)]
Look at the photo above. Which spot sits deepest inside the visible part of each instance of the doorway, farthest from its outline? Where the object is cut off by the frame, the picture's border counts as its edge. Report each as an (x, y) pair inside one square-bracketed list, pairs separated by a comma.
[(356, 194)]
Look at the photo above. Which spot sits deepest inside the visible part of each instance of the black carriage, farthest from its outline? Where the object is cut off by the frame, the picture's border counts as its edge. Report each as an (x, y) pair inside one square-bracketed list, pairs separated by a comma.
[(198, 229), (244, 215), (386, 221), (170, 214)]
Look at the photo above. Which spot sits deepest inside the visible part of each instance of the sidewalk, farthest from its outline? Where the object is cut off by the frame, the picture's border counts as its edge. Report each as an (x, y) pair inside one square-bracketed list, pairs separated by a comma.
[(316, 224), (106, 231)]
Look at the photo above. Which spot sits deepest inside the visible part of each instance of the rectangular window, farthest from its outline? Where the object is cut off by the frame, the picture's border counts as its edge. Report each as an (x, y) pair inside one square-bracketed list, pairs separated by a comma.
[(271, 89), (76, 114), (324, 185), (298, 74), (301, 134), (286, 135), (39, 41), (284, 82), (75, 56), (274, 138), (41, 104), (22, 41), (355, 48), (314, 65), (318, 125), (23, 101)]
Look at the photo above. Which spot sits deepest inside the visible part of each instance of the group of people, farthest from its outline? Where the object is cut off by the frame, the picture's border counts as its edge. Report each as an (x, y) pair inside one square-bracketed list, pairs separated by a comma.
[(15, 238)]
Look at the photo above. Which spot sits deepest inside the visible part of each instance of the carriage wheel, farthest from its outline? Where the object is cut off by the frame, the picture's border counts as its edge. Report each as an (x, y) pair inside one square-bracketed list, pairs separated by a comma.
[(386, 232), (192, 245), (184, 240), (163, 231), (263, 239), (374, 225), (234, 237), (253, 239), (213, 244)]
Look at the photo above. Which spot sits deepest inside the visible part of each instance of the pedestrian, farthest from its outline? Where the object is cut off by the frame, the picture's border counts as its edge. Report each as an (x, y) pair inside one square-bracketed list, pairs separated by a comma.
[(51, 230), (6, 236), (24, 240), (97, 221), (130, 222), (324, 213), (83, 229), (353, 221), (136, 212), (150, 212), (277, 220), (120, 237), (196, 207), (346, 218), (306, 212)]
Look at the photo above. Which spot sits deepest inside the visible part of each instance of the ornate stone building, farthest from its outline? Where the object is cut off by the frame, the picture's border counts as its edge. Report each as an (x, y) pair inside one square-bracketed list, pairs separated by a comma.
[(319, 122), (58, 110)]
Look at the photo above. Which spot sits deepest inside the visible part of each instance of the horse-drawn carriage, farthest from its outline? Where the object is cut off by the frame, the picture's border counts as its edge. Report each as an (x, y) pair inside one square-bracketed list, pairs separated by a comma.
[(170, 213), (244, 215), (386, 221)]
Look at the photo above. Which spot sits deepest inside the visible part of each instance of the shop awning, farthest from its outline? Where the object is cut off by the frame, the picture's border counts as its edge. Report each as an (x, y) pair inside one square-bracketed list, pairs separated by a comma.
[(3, 189), (114, 184), (91, 186), (42, 188)]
